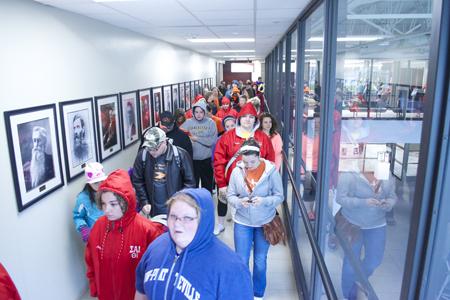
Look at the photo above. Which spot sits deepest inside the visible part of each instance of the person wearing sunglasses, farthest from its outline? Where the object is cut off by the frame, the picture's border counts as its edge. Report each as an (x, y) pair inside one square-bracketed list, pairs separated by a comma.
[(189, 262)]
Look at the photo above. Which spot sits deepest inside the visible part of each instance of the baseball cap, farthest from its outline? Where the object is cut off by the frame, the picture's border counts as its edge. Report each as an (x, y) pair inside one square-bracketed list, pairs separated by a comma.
[(94, 172), (153, 138)]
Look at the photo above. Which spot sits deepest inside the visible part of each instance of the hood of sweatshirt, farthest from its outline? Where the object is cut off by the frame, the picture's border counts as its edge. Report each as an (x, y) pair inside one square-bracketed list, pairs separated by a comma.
[(201, 104), (247, 109), (204, 233), (119, 182)]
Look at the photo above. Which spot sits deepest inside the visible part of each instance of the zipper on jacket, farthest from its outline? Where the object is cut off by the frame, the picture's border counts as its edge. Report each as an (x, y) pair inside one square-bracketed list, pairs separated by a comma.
[(170, 275)]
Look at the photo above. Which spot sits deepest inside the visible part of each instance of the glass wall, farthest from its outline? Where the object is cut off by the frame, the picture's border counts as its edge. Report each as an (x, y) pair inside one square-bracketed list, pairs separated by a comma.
[(293, 95), (381, 69), (312, 80)]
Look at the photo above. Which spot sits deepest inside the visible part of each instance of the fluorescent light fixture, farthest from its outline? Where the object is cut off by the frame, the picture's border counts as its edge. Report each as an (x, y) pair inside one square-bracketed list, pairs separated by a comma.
[(313, 50), (237, 56), (348, 39), (225, 40), (232, 51), (99, 1)]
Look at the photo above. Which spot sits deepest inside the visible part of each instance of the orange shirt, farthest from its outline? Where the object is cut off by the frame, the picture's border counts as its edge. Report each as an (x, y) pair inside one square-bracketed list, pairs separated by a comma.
[(254, 175)]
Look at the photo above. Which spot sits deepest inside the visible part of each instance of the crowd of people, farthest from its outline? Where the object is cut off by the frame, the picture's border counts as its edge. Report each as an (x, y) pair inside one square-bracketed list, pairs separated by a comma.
[(151, 232)]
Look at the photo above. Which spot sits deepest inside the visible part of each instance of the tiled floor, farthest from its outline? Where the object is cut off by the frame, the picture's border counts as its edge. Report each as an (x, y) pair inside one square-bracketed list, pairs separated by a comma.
[(280, 276)]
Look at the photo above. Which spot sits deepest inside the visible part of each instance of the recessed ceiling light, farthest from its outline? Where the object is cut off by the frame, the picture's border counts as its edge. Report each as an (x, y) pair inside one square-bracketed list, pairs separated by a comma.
[(238, 56), (114, 0), (224, 40), (231, 51)]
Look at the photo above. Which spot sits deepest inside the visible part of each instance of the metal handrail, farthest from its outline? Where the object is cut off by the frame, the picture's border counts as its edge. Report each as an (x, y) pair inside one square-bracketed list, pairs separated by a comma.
[(323, 270)]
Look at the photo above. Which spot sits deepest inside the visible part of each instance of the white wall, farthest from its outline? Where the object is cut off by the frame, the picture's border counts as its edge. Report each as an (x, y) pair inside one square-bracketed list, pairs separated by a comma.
[(46, 56)]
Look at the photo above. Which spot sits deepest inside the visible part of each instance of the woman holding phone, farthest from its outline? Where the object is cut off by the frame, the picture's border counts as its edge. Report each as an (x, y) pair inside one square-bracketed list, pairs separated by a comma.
[(255, 190)]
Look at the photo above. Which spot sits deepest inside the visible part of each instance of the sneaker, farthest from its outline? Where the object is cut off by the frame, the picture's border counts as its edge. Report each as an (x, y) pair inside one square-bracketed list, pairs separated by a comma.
[(257, 298), (219, 229)]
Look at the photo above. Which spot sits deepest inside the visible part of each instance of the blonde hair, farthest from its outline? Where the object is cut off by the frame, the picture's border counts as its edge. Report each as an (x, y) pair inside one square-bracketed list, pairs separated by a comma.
[(180, 196)]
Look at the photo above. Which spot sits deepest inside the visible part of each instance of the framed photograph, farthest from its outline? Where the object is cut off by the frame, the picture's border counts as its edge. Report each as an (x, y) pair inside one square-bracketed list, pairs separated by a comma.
[(202, 85), (157, 103), (145, 110), (198, 89), (34, 153), (78, 135), (129, 117), (192, 89), (175, 97), (167, 97), (188, 94), (182, 96), (108, 124)]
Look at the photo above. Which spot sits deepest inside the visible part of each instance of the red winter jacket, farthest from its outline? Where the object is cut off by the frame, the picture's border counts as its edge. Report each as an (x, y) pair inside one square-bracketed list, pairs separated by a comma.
[(221, 113), (114, 248), (7, 288), (231, 142)]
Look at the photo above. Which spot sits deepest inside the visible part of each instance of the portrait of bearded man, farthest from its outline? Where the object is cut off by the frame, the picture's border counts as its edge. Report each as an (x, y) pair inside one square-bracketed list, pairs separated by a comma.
[(40, 167), (80, 145)]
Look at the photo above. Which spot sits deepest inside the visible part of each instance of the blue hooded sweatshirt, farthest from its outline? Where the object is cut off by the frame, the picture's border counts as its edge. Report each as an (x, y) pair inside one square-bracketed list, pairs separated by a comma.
[(205, 269)]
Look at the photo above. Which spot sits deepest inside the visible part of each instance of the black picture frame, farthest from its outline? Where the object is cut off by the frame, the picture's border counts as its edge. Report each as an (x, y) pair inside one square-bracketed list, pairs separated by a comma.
[(27, 130), (167, 97), (175, 97), (145, 109), (129, 118), (192, 89), (182, 93), (108, 126), (78, 135), (157, 103), (188, 93)]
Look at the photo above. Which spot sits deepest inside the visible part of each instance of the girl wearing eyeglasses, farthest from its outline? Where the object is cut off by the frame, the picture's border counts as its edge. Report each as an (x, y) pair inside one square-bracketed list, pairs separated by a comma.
[(189, 262)]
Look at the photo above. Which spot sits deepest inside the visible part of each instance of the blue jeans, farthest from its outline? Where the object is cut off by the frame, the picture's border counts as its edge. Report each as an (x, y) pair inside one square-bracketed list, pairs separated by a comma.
[(373, 241), (244, 238)]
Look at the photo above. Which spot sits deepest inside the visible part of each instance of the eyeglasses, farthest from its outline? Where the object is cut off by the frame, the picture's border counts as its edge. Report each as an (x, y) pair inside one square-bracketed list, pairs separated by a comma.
[(184, 219)]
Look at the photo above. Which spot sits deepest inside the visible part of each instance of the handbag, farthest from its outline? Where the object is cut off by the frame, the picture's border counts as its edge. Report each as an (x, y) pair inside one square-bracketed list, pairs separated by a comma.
[(274, 231), (349, 231)]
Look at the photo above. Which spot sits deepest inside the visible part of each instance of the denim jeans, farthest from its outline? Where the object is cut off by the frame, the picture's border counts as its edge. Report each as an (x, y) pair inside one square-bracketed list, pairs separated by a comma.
[(373, 241), (244, 238)]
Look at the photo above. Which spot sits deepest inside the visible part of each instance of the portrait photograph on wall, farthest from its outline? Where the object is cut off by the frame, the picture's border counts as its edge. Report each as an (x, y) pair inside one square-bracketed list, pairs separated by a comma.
[(157, 103), (145, 109), (78, 135), (188, 93), (108, 124), (34, 153), (182, 96), (192, 89), (175, 97), (167, 97), (129, 115)]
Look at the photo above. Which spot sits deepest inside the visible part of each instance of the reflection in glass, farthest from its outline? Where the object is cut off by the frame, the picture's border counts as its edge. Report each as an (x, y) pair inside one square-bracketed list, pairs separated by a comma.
[(381, 70)]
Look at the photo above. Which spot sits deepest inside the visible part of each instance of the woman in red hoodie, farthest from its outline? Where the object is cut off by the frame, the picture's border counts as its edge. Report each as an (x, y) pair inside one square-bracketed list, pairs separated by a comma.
[(226, 109), (118, 240)]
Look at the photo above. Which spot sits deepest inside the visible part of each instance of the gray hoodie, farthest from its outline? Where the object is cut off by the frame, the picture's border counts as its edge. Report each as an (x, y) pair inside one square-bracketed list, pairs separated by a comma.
[(354, 190), (205, 131), (269, 188)]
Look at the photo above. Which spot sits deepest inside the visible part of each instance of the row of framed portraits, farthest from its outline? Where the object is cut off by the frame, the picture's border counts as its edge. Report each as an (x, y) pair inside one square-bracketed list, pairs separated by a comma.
[(93, 129)]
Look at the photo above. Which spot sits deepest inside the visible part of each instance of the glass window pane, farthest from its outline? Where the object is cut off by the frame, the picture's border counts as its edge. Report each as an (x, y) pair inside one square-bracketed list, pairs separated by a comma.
[(381, 70), (293, 93)]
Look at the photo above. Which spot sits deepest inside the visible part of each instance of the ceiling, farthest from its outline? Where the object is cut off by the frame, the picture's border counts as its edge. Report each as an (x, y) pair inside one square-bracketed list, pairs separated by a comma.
[(175, 21)]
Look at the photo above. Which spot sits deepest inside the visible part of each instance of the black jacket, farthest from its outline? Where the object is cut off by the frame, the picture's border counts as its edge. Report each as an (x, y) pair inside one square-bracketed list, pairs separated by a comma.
[(177, 177), (180, 139)]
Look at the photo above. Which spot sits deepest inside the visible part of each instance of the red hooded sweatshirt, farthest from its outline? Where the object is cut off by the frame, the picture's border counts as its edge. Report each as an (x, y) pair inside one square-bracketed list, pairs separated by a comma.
[(225, 112), (7, 288), (231, 141), (115, 248)]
